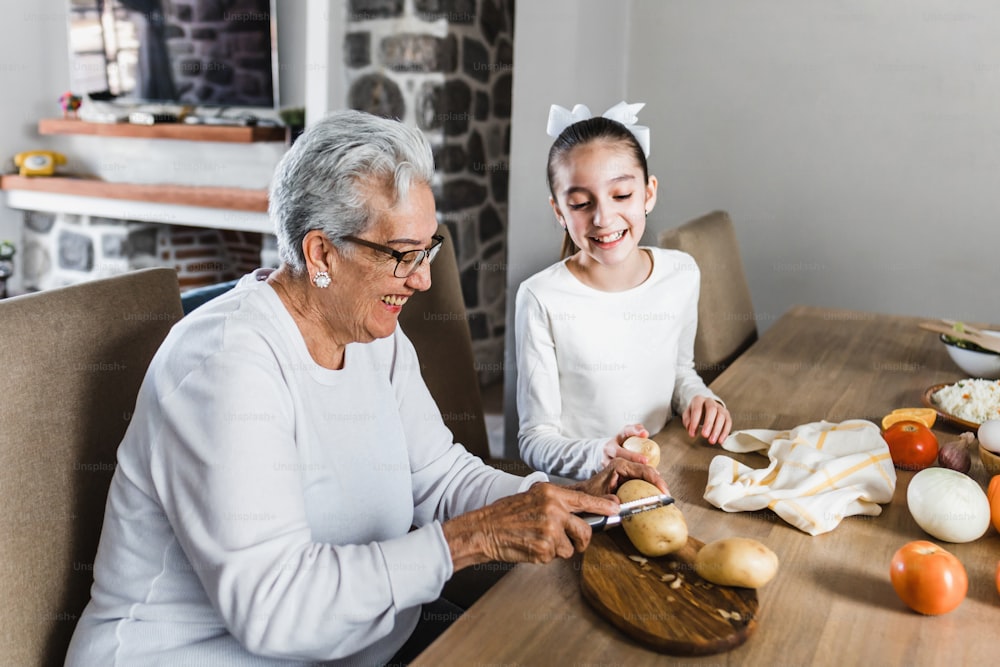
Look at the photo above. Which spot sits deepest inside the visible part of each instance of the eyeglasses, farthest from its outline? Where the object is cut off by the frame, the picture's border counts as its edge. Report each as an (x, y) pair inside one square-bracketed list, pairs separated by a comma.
[(406, 262)]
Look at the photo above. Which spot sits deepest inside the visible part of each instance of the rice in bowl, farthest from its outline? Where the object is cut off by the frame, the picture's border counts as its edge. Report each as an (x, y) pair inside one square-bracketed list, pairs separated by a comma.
[(972, 400)]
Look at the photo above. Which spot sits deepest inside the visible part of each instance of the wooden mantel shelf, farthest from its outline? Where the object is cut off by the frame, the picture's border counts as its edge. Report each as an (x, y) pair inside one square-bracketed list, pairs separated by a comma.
[(235, 199), (179, 131)]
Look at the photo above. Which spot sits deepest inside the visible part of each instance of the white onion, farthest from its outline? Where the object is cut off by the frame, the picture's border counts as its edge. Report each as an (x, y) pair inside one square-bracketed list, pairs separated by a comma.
[(948, 505)]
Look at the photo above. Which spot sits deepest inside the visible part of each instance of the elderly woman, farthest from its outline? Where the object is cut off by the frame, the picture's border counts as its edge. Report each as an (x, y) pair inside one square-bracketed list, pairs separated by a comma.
[(287, 489)]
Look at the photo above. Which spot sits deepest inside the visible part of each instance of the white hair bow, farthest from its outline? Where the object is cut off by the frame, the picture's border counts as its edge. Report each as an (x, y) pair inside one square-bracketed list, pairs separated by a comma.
[(560, 118)]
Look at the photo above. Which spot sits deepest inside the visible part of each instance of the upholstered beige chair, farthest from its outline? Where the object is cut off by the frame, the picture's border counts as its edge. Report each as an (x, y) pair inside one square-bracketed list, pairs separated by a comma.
[(71, 362), (437, 324), (726, 322)]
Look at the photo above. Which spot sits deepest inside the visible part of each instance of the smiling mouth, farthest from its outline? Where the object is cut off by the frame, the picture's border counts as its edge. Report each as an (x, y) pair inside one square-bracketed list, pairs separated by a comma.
[(392, 300), (609, 238)]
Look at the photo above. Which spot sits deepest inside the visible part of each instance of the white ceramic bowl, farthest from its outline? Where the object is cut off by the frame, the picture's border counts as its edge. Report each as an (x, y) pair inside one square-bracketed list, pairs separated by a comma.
[(985, 365)]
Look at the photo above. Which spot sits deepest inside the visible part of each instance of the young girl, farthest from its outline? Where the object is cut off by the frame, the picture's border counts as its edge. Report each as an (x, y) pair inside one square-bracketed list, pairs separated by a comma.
[(605, 337)]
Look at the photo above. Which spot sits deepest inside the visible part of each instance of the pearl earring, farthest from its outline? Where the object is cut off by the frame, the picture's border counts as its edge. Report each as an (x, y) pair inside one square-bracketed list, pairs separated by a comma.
[(322, 280)]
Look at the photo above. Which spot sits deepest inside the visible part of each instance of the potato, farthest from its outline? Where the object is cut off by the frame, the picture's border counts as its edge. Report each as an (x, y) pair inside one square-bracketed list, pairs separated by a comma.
[(646, 447), (654, 532), (736, 561)]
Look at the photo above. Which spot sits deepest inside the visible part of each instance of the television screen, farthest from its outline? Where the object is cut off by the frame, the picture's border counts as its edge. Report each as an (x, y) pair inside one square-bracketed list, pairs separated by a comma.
[(191, 52)]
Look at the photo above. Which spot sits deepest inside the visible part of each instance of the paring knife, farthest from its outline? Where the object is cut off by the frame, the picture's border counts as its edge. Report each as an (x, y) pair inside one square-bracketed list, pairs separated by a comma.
[(601, 522)]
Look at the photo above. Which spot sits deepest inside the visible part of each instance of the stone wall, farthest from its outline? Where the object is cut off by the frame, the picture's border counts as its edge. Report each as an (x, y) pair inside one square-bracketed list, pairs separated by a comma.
[(64, 249), (445, 66), (221, 51)]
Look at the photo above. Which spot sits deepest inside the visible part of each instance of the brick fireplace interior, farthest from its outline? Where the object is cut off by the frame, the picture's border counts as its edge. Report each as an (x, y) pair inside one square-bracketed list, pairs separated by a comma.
[(62, 249)]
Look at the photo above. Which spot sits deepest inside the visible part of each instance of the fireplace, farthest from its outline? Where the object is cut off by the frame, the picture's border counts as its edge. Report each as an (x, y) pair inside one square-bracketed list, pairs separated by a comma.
[(64, 248)]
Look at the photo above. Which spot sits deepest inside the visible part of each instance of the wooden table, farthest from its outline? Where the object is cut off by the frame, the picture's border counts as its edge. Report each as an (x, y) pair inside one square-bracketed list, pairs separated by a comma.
[(832, 602)]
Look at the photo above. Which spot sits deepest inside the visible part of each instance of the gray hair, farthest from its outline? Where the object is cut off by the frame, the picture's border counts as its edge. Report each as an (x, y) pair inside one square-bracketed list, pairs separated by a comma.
[(321, 182)]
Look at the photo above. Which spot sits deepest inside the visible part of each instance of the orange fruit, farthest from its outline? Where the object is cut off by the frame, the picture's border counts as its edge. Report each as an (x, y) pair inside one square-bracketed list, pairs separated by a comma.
[(925, 416), (993, 495)]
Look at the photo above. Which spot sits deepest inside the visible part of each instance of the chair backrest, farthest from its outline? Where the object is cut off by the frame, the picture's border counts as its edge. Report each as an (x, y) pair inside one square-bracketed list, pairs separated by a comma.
[(726, 322), (437, 324), (71, 362)]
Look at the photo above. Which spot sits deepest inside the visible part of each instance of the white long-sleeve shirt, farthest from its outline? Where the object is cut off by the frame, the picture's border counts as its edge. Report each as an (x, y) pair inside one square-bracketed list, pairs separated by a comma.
[(589, 361), (262, 504)]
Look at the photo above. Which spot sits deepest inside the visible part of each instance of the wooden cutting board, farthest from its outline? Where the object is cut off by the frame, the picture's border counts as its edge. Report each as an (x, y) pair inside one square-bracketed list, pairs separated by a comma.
[(695, 618)]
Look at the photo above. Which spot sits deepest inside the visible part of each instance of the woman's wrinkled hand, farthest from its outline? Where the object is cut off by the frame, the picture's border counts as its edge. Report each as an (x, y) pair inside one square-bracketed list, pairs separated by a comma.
[(613, 448), (614, 474), (531, 527), (713, 417)]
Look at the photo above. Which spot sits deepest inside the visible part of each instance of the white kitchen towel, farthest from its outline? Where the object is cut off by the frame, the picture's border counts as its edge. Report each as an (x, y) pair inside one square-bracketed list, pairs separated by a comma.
[(818, 474)]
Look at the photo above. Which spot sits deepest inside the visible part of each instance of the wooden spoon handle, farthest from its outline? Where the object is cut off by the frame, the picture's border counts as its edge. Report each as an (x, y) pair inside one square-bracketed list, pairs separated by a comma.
[(940, 328), (965, 327)]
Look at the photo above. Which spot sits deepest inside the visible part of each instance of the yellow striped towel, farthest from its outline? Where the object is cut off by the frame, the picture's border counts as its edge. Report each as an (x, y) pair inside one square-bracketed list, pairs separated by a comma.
[(818, 474)]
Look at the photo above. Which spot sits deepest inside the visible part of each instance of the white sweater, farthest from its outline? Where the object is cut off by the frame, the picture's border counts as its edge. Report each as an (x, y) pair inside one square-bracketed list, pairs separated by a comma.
[(589, 362), (262, 505)]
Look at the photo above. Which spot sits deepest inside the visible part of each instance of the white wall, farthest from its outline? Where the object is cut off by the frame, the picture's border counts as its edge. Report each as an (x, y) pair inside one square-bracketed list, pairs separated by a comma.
[(321, 35), (33, 73), (855, 144)]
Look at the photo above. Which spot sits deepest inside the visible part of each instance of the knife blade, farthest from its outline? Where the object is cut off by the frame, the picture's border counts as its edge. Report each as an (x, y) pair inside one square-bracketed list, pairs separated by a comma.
[(601, 522)]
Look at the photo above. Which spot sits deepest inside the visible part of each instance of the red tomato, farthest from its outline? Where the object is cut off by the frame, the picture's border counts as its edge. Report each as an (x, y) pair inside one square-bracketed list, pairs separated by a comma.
[(993, 493), (928, 579), (912, 445)]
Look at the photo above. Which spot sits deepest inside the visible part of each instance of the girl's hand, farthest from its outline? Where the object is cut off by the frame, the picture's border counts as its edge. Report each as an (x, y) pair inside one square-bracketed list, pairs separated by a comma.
[(613, 448), (614, 475), (713, 415)]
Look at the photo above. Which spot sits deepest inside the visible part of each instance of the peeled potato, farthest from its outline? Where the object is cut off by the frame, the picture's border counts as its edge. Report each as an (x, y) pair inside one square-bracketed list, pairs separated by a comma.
[(736, 561), (646, 447), (654, 532)]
